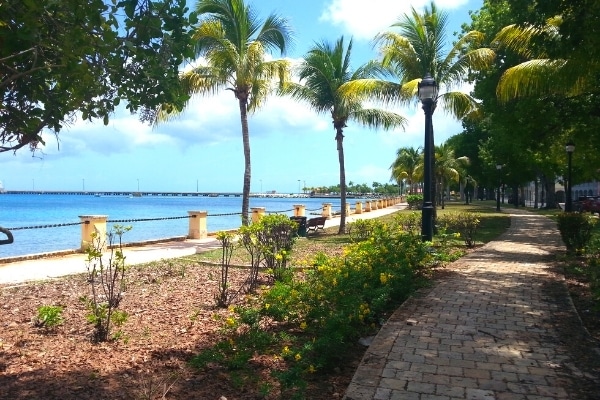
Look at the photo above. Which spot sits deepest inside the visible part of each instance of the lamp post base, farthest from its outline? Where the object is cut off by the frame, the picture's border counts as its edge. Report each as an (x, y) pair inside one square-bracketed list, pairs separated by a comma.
[(427, 222)]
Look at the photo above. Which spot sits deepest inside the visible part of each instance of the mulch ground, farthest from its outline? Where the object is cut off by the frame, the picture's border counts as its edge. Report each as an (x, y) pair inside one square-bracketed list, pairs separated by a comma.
[(171, 318)]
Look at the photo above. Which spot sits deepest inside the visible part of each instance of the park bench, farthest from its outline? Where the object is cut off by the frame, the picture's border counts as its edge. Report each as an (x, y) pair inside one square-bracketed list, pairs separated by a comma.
[(315, 224)]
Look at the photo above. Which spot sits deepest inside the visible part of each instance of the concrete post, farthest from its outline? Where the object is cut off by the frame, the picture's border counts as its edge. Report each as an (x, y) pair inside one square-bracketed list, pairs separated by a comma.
[(347, 208), (358, 209), (326, 210), (257, 213), (367, 205), (299, 210), (374, 204), (93, 224), (197, 225)]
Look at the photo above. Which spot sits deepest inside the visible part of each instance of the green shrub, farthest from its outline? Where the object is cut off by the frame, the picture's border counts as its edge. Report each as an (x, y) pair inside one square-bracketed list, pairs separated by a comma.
[(308, 320), (106, 277), (592, 253), (361, 229), (225, 294), (409, 222), (48, 317), (415, 201), (276, 235), (463, 223), (575, 230)]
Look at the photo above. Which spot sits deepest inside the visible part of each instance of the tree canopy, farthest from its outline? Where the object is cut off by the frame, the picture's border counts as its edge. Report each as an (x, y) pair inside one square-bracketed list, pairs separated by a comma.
[(60, 60)]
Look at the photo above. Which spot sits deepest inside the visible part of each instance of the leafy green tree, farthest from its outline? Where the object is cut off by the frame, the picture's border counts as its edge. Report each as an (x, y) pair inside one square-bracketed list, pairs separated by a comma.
[(60, 59), (527, 122), (234, 44), (559, 57), (324, 70)]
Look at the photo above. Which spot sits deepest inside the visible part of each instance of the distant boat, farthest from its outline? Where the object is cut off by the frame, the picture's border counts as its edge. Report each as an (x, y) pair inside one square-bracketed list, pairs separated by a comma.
[(97, 195), (137, 194)]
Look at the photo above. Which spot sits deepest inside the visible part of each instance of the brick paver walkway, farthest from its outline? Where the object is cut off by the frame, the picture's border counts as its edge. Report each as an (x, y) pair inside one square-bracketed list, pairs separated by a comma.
[(487, 332)]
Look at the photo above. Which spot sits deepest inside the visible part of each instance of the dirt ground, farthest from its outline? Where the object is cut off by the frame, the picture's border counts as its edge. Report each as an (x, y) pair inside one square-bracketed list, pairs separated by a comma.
[(171, 318)]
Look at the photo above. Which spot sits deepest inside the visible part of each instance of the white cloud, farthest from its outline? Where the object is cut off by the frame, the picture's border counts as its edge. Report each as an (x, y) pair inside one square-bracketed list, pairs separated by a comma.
[(365, 21)]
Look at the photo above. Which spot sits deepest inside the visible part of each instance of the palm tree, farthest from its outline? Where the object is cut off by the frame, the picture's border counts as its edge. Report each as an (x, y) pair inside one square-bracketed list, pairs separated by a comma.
[(405, 165), (233, 43), (324, 70), (419, 49), (447, 167)]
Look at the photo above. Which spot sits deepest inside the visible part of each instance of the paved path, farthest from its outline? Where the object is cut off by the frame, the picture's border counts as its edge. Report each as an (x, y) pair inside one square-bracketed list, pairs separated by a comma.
[(18, 270), (489, 331)]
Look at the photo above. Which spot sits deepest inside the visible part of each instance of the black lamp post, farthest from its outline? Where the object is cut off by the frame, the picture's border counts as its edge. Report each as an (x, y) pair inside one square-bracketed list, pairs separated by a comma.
[(498, 168), (570, 147), (428, 91)]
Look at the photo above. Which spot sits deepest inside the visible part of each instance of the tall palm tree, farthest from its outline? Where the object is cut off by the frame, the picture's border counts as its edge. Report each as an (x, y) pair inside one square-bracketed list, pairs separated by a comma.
[(233, 43), (405, 165), (420, 48), (323, 72)]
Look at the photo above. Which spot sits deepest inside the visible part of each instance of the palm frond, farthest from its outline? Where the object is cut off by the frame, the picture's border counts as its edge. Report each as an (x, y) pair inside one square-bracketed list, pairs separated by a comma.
[(457, 104), (376, 118), (535, 77)]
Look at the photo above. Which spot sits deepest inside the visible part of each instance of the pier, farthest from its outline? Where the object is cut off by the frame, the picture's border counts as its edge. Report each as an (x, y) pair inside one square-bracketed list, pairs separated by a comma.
[(127, 193)]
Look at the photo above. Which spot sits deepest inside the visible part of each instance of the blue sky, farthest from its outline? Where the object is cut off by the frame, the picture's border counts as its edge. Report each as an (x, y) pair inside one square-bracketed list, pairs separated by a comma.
[(202, 148)]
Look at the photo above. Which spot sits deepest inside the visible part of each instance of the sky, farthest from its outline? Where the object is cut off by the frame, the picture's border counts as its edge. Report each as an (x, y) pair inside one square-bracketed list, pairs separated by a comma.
[(292, 147)]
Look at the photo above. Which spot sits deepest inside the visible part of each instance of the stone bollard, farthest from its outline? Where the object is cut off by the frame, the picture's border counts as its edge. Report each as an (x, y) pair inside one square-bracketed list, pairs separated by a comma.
[(358, 209), (348, 209), (93, 224), (299, 210), (374, 204), (257, 213), (368, 206), (326, 210), (197, 225)]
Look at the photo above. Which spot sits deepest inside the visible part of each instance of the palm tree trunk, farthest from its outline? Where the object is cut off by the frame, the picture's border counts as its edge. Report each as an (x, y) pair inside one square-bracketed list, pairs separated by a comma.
[(339, 137), (242, 101)]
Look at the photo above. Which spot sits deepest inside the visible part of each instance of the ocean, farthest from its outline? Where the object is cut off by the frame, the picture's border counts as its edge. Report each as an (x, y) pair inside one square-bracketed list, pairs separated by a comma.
[(33, 210)]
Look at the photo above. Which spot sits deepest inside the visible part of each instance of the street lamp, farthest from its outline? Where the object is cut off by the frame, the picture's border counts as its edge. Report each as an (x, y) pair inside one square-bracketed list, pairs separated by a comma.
[(428, 91), (298, 186), (570, 147), (498, 168)]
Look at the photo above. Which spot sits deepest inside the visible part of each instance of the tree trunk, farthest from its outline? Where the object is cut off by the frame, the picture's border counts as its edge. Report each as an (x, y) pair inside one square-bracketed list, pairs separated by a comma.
[(247, 166), (339, 138), (550, 194)]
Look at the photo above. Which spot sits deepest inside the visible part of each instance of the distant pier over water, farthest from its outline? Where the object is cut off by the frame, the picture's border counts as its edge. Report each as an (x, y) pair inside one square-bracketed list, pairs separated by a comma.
[(127, 194), (176, 194)]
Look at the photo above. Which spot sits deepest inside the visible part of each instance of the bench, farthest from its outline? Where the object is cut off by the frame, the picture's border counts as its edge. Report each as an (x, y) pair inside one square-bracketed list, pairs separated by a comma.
[(315, 224)]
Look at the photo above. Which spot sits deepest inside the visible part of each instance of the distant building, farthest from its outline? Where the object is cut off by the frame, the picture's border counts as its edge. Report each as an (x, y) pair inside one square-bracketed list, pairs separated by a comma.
[(586, 189)]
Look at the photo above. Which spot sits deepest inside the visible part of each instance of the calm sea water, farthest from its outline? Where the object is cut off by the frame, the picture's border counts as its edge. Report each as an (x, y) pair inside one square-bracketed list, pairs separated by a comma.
[(26, 210)]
